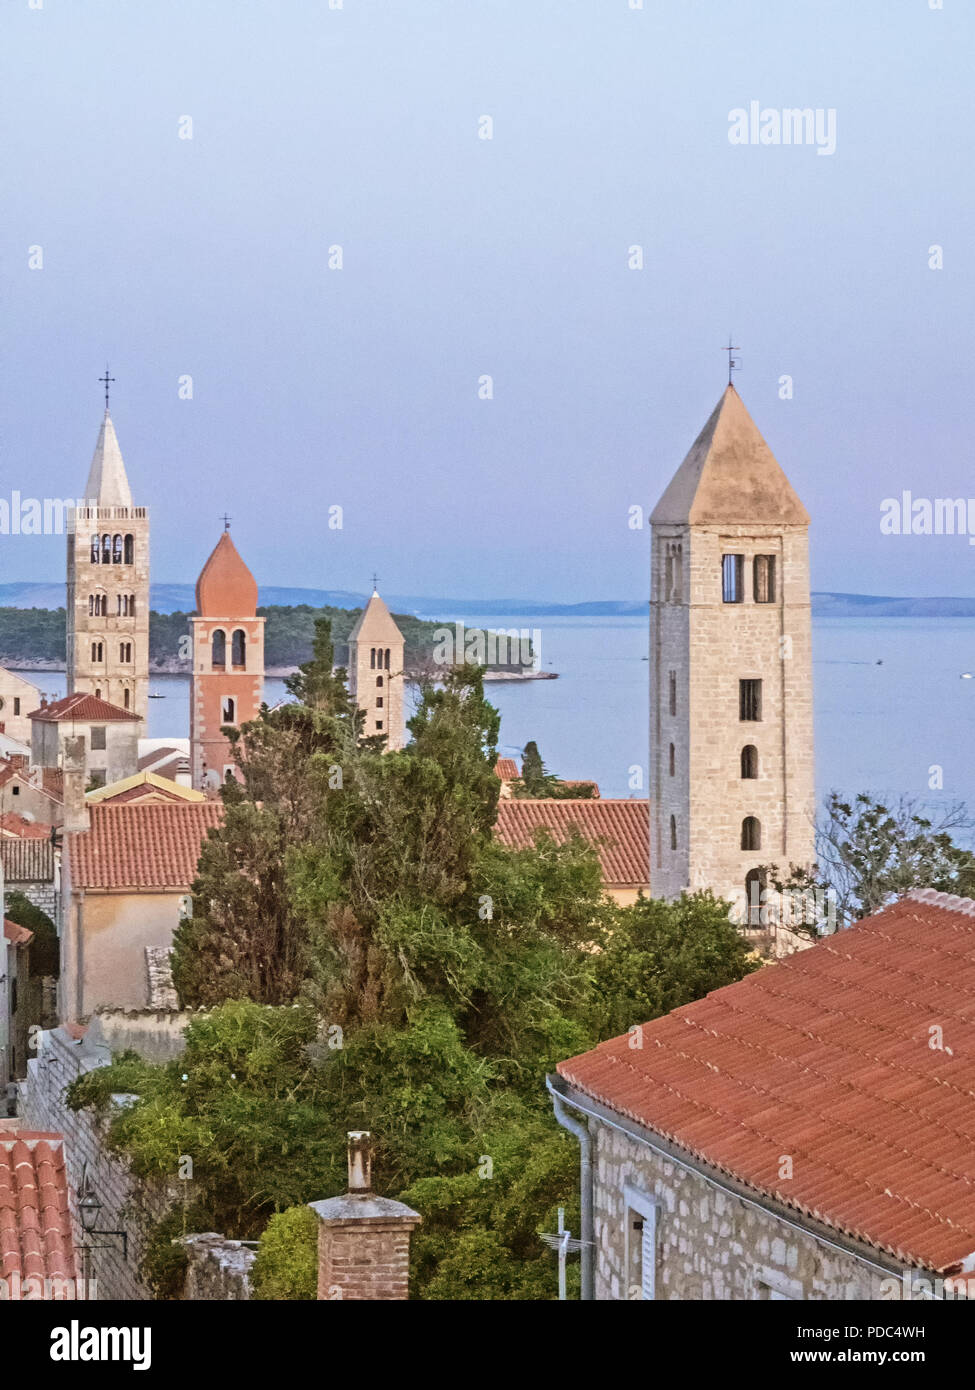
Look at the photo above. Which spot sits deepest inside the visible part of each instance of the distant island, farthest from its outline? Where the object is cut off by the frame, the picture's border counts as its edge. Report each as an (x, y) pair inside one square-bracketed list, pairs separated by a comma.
[(34, 639), (179, 598)]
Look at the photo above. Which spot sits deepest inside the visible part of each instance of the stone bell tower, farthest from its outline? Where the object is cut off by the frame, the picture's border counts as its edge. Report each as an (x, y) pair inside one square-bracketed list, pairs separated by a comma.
[(731, 704), (108, 584), (376, 649)]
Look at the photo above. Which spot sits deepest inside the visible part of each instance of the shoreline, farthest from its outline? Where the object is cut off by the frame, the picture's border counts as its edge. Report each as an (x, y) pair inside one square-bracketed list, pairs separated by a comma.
[(271, 672)]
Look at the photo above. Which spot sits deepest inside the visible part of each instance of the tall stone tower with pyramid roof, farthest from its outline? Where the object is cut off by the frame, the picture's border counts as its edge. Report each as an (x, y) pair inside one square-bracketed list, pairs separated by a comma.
[(108, 585), (731, 703), (376, 651), (227, 684)]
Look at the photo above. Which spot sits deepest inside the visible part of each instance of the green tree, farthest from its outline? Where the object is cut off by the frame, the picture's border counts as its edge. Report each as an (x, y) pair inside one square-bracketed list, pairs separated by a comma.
[(44, 949)]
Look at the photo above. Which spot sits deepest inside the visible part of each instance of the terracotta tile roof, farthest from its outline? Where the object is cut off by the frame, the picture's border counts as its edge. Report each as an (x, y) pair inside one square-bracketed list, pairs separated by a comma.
[(826, 1057), (16, 934), (35, 1224), (81, 707), (27, 861), (12, 824), (507, 769), (141, 844), (620, 831), (148, 762)]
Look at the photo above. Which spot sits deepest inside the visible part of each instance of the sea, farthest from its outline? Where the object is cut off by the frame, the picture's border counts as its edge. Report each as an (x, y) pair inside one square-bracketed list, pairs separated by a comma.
[(894, 704)]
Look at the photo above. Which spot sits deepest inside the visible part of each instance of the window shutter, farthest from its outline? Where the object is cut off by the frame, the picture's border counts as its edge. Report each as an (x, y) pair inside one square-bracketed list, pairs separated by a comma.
[(648, 1255)]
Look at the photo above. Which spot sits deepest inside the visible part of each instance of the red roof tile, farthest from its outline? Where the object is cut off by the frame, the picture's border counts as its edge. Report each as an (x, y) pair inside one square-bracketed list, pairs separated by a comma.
[(12, 824), (35, 1224), (16, 934), (141, 844), (827, 1057), (81, 707), (507, 769), (620, 831)]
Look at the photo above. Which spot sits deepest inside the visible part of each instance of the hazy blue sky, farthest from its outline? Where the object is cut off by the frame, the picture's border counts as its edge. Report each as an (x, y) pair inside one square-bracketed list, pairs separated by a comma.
[(359, 127)]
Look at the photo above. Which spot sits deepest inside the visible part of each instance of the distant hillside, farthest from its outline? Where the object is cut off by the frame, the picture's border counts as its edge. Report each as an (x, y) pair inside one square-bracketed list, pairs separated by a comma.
[(34, 638), (180, 598)]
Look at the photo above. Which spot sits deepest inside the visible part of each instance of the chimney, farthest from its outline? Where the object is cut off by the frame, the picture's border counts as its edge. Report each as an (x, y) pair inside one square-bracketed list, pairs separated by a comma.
[(74, 771), (363, 1240)]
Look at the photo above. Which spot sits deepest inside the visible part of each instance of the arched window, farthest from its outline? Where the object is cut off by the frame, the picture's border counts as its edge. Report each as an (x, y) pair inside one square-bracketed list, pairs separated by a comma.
[(379, 681), (218, 648), (673, 832), (125, 699), (749, 760), (94, 550), (98, 693), (673, 759), (131, 605), (372, 657), (116, 550), (238, 648), (229, 710), (387, 658), (129, 550), (751, 833), (754, 888), (91, 605), (763, 578), (106, 549), (673, 692)]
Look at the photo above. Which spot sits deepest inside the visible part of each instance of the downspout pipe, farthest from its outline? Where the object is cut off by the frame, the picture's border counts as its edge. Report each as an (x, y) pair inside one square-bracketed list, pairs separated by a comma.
[(581, 1132)]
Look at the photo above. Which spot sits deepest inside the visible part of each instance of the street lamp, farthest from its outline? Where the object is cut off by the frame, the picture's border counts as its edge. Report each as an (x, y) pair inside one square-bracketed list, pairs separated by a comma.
[(89, 1208)]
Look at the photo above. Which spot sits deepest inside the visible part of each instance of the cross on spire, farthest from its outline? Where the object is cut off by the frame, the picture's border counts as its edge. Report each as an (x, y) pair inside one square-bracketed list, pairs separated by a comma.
[(107, 380), (226, 521), (733, 363), (375, 582)]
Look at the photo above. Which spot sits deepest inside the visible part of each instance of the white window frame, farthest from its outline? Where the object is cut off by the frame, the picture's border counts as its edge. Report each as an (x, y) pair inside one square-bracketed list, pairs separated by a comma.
[(646, 1207)]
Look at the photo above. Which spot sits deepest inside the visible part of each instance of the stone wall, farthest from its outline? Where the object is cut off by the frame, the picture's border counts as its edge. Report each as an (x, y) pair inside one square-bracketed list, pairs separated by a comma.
[(710, 1244), (126, 1204), (219, 1269)]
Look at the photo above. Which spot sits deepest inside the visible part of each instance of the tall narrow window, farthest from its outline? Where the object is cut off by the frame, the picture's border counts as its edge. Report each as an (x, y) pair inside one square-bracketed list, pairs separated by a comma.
[(91, 605), (732, 578), (372, 657), (749, 760), (750, 700), (763, 578), (16, 704), (379, 680), (125, 699), (673, 759), (131, 605), (94, 550), (238, 647), (672, 680), (98, 738), (751, 833), (117, 550), (218, 648), (754, 888), (228, 713), (379, 701), (387, 658), (673, 832), (129, 550), (106, 550)]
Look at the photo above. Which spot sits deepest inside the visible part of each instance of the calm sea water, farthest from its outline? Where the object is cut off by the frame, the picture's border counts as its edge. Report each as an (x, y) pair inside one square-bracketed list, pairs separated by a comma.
[(890, 703)]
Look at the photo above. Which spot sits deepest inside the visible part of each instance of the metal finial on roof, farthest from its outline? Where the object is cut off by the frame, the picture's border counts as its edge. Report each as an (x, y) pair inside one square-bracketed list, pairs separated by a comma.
[(226, 521), (375, 582), (733, 363), (106, 380)]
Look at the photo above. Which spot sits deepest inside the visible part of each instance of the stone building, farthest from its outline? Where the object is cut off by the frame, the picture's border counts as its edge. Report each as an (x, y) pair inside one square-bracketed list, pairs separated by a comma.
[(17, 698), (227, 683), (376, 655), (802, 1134), (108, 585), (111, 736), (125, 887), (731, 732)]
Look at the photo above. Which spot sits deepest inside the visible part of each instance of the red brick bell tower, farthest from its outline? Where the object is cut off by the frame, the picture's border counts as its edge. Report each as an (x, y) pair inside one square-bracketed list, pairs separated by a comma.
[(228, 661)]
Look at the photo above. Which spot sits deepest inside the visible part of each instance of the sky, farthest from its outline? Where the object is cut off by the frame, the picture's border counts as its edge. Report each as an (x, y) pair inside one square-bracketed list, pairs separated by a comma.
[(358, 387)]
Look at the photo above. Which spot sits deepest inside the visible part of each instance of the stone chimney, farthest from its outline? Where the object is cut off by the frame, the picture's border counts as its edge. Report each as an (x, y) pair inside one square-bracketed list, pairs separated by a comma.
[(363, 1240), (73, 766)]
